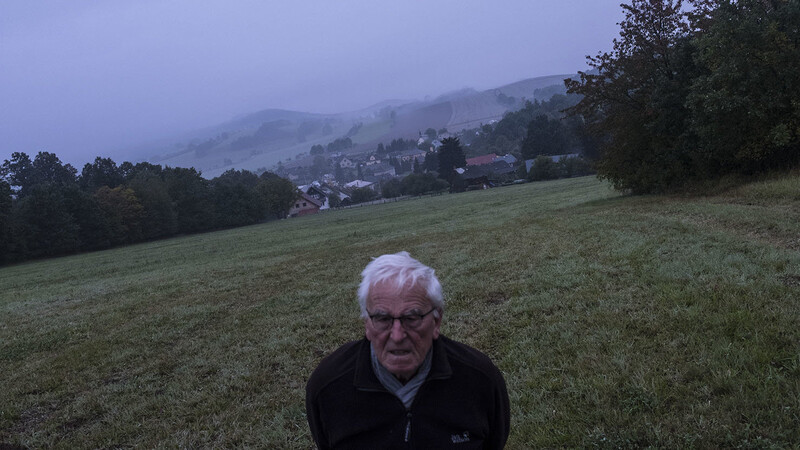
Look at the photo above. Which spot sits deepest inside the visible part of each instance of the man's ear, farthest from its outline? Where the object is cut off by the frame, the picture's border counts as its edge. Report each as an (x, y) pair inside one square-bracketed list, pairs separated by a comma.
[(367, 329), (437, 323)]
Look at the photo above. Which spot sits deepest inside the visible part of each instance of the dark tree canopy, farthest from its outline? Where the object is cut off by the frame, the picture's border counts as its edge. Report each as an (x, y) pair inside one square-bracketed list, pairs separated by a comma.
[(544, 168), (634, 98), (695, 93), (45, 225), (23, 173), (418, 184), (236, 199), (46, 210), (507, 135), (451, 156), (123, 214), (545, 137), (278, 194), (746, 103), (159, 218), (102, 172), (192, 197), (363, 194), (391, 188), (431, 162)]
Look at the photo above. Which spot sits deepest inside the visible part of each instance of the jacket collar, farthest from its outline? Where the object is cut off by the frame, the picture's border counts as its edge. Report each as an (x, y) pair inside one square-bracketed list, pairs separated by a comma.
[(366, 379)]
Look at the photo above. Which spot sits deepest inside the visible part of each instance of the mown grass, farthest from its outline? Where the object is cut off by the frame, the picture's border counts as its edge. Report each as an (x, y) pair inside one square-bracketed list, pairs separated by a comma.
[(618, 321)]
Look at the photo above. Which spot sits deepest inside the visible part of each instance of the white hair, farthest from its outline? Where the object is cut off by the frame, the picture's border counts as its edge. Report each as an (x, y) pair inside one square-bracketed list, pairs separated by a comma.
[(401, 269)]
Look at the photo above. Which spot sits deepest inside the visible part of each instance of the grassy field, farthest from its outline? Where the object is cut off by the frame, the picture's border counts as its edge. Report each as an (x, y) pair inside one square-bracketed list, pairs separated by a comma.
[(617, 321)]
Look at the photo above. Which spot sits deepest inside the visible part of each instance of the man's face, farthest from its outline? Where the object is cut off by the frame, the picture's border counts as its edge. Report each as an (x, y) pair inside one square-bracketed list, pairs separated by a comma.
[(399, 350)]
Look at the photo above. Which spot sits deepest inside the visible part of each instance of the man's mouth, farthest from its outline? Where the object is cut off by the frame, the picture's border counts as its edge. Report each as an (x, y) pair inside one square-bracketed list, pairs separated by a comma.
[(399, 352)]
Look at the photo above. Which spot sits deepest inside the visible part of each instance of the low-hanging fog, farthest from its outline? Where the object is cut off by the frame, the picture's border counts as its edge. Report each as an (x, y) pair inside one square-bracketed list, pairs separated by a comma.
[(82, 78)]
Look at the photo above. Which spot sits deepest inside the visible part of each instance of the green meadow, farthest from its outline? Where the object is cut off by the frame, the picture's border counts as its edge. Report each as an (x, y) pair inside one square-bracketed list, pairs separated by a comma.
[(618, 321)]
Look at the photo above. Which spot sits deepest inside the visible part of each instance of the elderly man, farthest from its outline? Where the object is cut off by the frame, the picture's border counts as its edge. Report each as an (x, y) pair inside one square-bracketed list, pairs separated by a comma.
[(405, 385)]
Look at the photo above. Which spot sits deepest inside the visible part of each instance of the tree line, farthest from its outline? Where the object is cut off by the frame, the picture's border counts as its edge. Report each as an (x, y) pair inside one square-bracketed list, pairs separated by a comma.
[(695, 92), (48, 209)]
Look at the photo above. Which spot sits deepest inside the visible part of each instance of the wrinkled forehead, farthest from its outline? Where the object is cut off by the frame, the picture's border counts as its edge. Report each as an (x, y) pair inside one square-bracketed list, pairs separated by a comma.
[(394, 291)]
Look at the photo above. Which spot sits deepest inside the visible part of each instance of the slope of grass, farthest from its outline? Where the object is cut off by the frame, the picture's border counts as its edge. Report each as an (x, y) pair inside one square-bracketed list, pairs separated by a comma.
[(617, 321)]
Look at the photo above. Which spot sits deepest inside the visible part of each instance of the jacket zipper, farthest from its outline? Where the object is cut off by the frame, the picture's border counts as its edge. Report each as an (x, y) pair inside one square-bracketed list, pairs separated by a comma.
[(407, 433), (408, 427)]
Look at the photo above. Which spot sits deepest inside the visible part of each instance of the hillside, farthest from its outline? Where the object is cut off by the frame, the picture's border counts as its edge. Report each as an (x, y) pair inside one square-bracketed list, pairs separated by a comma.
[(617, 321), (471, 111), (262, 139)]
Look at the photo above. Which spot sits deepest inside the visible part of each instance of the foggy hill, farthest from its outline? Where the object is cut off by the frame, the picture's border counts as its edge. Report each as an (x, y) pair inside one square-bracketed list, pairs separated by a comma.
[(262, 139)]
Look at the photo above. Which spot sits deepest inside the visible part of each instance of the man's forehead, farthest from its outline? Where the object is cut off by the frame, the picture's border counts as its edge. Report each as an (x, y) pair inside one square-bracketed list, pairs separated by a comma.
[(394, 285), (389, 292)]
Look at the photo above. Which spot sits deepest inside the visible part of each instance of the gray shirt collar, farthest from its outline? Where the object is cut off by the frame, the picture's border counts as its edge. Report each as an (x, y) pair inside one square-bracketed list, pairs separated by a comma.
[(405, 392)]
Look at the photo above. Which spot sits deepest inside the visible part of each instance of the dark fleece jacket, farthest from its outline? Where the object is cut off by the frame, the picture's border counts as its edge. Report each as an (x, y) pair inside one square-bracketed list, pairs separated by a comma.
[(463, 403)]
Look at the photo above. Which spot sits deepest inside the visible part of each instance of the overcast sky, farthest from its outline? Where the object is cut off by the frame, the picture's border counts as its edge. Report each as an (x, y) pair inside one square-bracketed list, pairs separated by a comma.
[(82, 78)]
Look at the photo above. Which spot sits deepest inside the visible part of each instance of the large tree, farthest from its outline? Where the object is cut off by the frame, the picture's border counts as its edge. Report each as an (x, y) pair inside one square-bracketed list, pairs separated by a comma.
[(363, 194), (634, 98), (192, 197), (746, 104), (18, 172), (451, 156), (43, 224), (697, 93), (102, 172), (45, 168), (123, 214), (278, 194), (237, 202), (418, 184), (159, 218)]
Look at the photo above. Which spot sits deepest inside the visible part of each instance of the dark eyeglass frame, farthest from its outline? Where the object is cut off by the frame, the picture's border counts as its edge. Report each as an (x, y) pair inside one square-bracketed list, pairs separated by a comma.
[(407, 321)]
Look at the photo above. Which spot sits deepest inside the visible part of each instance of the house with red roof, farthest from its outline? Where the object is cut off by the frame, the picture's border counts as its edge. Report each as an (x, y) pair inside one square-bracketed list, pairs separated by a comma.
[(305, 205), (481, 160)]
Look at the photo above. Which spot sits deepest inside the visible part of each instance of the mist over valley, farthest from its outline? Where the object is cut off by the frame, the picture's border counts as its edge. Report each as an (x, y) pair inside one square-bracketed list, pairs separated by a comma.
[(260, 140)]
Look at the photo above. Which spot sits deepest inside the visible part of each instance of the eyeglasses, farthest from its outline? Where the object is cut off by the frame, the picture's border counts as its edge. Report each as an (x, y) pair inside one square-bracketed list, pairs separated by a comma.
[(383, 322)]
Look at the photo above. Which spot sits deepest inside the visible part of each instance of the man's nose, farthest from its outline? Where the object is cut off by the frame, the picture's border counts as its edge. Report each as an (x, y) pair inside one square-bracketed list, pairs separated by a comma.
[(398, 333)]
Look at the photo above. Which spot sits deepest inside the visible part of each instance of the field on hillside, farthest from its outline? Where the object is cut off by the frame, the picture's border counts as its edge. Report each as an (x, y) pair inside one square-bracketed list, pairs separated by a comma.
[(617, 321)]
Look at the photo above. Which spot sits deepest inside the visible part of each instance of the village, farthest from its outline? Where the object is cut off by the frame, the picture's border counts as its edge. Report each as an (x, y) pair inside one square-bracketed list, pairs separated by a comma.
[(340, 180)]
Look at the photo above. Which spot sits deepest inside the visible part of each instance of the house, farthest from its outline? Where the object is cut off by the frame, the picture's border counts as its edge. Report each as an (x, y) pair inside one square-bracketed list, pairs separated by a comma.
[(410, 155), (346, 163), (344, 199), (357, 184), (323, 193), (508, 157), (372, 160), (314, 190), (486, 175), (481, 160), (305, 205), (332, 192), (381, 169)]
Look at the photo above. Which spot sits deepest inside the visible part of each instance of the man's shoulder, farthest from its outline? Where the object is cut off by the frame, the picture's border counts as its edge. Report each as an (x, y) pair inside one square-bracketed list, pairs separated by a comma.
[(462, 354), (338, 364)]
